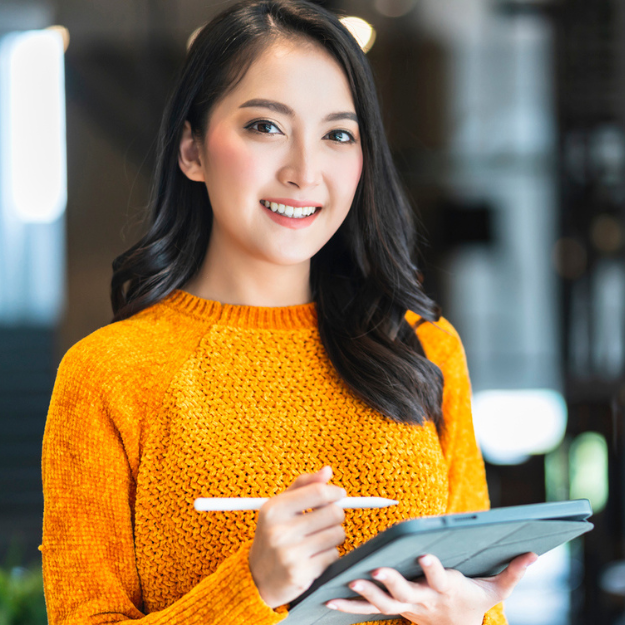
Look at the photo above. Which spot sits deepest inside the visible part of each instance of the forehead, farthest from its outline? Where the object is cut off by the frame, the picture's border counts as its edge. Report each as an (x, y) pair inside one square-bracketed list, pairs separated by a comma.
[(300, 73)]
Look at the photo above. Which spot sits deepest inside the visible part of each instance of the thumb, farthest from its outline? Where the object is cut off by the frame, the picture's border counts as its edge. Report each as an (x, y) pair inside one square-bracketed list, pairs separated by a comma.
[(512, 574), (323, 476)]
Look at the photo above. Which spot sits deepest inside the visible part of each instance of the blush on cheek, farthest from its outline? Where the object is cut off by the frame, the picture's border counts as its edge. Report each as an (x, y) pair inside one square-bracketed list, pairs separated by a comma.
[(353, 173), (230, 158)]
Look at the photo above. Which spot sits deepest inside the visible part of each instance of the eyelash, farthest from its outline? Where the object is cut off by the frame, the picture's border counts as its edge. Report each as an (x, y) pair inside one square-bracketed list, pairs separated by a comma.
[(265, 121)]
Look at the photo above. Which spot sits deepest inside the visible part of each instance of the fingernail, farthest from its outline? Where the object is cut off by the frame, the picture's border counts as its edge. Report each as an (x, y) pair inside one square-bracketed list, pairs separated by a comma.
[(331, 606), (378, 575), (357, 586), (426, 561)]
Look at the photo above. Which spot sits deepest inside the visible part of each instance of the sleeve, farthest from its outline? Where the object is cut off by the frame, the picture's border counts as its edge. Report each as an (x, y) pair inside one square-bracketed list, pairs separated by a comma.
[(89, 568), (468, 490)]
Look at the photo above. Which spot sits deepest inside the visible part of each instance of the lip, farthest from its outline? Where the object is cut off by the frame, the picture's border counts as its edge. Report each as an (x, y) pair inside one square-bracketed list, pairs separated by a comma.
[(291, 202), (289, 222)]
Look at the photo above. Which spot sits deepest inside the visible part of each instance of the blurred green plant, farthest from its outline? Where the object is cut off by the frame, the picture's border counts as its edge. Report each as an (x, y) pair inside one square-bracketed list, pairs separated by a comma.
[(21, 592)]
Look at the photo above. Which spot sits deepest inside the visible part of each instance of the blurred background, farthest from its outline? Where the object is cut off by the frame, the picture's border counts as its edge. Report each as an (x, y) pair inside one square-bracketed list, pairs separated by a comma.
[(506, 119)]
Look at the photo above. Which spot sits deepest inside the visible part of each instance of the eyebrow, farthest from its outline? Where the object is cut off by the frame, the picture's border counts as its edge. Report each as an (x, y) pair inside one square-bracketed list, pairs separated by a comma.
[(286, 110)]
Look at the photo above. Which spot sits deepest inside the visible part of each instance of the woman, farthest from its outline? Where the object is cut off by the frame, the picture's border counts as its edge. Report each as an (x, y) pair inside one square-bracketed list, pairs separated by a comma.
[(270, 334)]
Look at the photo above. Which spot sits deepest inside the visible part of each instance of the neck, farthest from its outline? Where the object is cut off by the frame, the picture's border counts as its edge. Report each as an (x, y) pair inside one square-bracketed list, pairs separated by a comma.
[(230, 279)]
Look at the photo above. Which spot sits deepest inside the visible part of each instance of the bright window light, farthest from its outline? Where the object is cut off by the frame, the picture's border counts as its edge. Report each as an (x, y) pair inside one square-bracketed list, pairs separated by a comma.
[(32, 125), (588, 458), (543, 596), (511, 425)]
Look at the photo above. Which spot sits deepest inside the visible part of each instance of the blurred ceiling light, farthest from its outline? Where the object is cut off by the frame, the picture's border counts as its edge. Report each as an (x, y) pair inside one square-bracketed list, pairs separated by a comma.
[(569, 258), (393, 8), (193, 37), (362, 31), (64, 32), (511, 425), (33, 151)]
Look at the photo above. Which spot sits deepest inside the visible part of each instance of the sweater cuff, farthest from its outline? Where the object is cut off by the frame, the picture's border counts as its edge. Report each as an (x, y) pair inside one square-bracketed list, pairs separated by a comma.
[(495, 616), (236, 596), (229, 595)]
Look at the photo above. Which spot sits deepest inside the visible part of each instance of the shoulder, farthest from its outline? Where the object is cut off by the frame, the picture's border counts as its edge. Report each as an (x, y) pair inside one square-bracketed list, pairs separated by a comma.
[(440, 340), (127, 350)]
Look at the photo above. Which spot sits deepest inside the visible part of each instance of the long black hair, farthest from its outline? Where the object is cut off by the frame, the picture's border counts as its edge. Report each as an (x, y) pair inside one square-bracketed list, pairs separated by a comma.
[(363, 280)]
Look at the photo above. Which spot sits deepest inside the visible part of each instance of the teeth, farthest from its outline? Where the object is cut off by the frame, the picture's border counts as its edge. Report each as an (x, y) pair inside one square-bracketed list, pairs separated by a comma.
[(290, 211)]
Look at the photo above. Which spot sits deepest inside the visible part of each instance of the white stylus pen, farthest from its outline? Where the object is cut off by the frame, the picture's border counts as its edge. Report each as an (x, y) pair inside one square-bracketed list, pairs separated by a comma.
[(216, 504)]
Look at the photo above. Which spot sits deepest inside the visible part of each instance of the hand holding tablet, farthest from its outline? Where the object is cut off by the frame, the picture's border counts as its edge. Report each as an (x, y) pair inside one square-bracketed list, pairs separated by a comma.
[(478, 544)]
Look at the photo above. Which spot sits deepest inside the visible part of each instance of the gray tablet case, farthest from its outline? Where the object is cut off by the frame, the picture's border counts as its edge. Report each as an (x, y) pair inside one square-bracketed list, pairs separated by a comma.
[(477, 544)]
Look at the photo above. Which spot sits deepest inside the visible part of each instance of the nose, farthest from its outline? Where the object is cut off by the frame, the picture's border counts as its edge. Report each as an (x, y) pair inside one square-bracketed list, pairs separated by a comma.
[(303, 166)]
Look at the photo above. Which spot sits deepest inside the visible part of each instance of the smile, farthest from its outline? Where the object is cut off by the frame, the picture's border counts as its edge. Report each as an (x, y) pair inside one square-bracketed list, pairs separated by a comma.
[(295, 212)]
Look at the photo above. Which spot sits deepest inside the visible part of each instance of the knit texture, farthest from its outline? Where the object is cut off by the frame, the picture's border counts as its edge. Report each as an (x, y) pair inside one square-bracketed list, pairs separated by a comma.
[(193, 398)]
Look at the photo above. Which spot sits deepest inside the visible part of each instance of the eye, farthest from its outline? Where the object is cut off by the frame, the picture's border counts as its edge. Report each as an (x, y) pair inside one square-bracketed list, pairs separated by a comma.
[(262, 125), (349, 139)]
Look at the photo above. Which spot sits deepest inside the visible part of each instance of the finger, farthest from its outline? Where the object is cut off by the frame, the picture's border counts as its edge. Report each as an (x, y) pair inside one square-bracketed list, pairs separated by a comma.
[(505, 582), (290, 503), (353, 606), (435, 573), (397, 585), (321, 561), (323, 475), (318, 520), (379, 598), (324, 540)]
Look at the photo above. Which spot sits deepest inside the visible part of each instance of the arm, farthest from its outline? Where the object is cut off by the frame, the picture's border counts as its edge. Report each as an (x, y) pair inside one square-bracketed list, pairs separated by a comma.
[(90, 574), (468, 490)]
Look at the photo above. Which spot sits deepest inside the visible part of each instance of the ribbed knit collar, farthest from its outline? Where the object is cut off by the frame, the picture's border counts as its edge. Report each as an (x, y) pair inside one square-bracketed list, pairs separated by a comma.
[(268, 318)]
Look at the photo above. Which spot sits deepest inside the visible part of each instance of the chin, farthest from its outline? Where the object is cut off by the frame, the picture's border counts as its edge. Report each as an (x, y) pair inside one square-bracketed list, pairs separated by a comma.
[(289, 257), (290, 262)]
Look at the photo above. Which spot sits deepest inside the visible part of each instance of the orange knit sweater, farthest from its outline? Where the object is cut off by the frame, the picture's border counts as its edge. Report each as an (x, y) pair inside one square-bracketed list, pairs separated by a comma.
[(194, 398)]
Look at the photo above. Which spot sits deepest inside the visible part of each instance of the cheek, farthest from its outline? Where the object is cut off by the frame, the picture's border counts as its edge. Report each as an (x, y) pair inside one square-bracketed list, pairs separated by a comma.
[(349, 174), (232, 161)]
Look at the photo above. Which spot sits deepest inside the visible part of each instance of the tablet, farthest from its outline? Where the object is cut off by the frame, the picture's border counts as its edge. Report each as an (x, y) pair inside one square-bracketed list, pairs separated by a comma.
[(478, 544)]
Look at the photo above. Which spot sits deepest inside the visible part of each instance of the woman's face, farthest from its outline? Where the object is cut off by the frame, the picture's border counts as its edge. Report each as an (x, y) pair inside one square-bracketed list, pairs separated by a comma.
[(286, 134)]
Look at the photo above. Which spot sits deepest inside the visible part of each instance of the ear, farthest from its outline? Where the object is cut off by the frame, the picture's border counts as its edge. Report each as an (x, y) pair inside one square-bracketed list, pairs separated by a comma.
[(189, 156)]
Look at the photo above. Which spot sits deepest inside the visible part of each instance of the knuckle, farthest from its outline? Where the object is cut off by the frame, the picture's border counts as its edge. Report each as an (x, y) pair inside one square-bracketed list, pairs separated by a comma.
[(296, 579), (292, 577), (338, 514), (267, 512), (330, 557), (428, 605), (274, 536), (287, 559), (402, 596), (319, 490), (339, 534)]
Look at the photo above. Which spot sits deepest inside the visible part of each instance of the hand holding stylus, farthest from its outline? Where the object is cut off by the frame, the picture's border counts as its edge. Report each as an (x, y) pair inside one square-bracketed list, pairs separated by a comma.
[(291, 549)]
